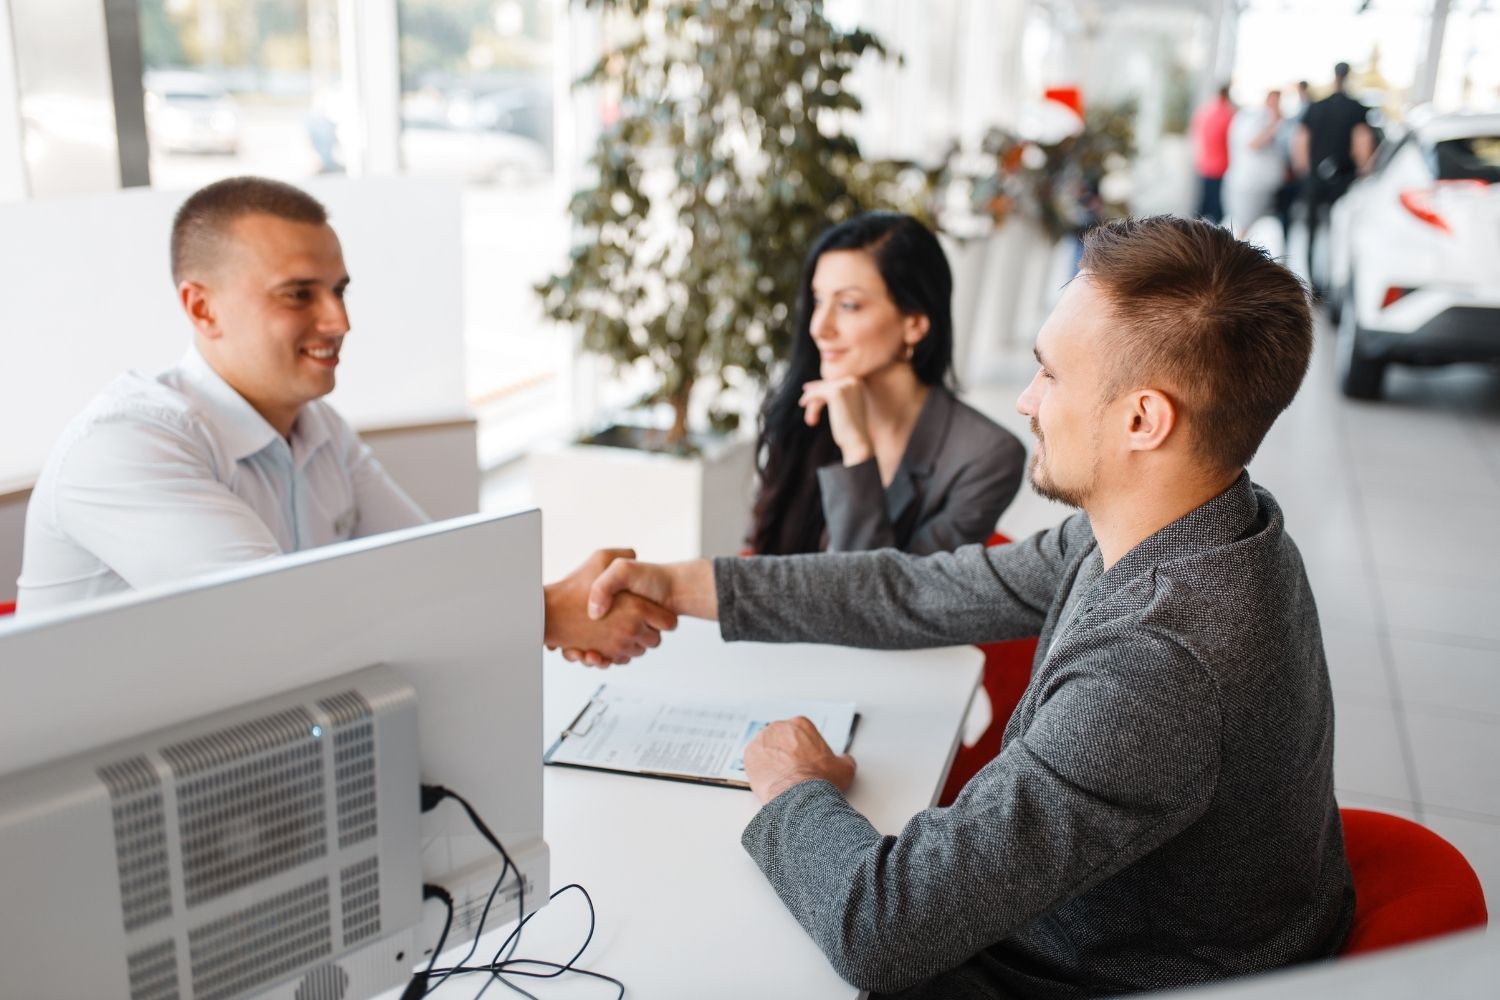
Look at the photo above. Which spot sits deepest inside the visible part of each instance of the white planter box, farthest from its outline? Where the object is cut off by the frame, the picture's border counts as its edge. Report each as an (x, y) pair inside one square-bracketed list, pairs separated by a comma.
[(666, 508)]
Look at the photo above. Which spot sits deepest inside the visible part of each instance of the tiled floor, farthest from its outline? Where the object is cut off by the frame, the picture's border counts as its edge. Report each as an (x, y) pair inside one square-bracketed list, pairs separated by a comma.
[(1396, 508)]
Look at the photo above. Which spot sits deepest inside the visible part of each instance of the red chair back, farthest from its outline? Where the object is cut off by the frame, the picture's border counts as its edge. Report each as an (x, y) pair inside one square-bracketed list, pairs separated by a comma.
[(1007, 671), (1409, 883)]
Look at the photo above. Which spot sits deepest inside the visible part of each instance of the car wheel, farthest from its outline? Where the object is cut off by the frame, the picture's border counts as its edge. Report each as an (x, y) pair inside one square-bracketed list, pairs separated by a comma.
[(1360, 376)]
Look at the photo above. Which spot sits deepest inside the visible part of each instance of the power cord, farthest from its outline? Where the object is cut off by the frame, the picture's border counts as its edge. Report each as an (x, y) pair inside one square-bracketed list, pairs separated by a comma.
[(432, 797), (418, 985), (515, 967), (502, 964)]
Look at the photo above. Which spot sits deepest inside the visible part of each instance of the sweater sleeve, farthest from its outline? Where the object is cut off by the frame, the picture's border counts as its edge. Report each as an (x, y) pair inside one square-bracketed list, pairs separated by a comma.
[(891, 600), (1121, 756)]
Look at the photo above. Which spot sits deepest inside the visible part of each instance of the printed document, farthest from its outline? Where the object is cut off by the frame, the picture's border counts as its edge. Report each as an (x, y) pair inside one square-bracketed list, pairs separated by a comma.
[(661, 733)]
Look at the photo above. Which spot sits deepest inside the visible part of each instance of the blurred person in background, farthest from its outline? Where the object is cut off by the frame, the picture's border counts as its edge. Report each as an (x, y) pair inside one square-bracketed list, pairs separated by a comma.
[(1332, 146), (862, 443), (1257, 167), (1290, 192), (1210, 130)]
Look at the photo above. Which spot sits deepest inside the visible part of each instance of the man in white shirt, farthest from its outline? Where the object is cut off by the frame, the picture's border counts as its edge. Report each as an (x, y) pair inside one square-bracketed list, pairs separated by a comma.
[(231, 455)]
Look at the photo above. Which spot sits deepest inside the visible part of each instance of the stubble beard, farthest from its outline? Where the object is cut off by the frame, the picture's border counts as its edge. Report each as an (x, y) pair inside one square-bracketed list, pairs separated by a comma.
[(1043, 484)]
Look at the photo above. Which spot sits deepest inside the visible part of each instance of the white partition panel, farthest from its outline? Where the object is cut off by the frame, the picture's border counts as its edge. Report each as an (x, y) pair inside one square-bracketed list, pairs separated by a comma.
[(86, 293)]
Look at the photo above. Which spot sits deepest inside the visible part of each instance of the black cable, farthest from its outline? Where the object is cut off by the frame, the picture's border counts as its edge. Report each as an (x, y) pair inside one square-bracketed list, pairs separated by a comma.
[(417, 987), (498, 967), (441, 793), (432, 795), (478, 932), (568, 966)]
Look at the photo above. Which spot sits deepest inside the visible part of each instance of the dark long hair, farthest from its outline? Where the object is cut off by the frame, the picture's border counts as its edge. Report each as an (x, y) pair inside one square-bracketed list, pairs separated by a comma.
[(789, 506)]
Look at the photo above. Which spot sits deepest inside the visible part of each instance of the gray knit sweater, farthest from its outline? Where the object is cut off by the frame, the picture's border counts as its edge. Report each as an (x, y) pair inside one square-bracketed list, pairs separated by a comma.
[(1162, 811)]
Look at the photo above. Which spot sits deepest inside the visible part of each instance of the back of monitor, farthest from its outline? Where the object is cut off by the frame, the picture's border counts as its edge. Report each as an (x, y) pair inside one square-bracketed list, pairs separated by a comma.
[(274, 843), (454, 609)]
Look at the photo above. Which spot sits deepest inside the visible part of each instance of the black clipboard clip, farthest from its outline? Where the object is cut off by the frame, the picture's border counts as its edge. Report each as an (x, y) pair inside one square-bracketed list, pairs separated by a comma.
[(574, 728)]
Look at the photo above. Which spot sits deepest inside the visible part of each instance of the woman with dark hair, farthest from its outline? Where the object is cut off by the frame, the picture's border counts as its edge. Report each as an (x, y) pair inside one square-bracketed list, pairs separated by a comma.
[(863, 444)]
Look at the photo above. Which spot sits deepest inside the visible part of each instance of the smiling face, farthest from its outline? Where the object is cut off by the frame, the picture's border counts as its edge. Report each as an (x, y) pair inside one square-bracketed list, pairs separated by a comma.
[(856, 327), (270, 313), (1065, 400)]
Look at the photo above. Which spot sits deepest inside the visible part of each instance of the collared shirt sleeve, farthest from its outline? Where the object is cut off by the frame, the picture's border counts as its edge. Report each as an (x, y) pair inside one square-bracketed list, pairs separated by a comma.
[(1115, 764), (382, 505), (144, 499)]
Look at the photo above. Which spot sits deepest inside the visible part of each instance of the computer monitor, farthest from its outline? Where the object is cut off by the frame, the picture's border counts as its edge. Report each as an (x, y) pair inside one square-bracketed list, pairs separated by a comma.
[(159, 693)]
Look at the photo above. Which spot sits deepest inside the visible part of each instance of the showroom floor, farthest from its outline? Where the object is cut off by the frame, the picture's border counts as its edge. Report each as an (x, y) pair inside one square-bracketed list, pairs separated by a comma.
[(1396, 508)]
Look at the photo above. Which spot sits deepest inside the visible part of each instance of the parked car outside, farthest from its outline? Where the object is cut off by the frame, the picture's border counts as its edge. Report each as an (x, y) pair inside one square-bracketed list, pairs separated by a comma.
[(477, 136), (189, 112), (1415, 252)]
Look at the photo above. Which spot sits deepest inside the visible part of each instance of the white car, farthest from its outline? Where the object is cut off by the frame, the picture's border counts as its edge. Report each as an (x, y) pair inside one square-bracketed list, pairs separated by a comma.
[(1415, 253), (190, 112)]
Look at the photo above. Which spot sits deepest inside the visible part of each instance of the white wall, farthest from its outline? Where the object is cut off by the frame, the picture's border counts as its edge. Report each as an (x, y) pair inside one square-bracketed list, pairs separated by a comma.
[(85, 294)]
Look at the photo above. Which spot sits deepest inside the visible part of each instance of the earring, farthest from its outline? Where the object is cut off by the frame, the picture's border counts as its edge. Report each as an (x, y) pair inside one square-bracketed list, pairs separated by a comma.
[(910, 350)]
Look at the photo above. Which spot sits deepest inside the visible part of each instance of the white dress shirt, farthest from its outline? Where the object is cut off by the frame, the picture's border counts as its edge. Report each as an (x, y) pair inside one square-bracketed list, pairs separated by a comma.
[(168, 477)]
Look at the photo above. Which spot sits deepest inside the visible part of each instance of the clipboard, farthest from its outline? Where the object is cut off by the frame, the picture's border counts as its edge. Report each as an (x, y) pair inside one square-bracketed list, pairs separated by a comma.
[(662, 733)]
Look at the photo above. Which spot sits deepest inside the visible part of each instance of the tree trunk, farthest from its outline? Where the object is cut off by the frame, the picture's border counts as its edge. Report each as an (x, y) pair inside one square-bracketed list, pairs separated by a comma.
[(679, 401)]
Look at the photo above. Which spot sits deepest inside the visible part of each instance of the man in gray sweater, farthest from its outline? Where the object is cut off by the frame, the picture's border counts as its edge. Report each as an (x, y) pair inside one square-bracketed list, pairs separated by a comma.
[(1162, 810)]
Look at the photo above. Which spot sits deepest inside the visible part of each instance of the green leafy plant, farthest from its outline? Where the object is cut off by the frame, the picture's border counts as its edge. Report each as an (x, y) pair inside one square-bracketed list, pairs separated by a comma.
[(1062, 185), (730, 153)]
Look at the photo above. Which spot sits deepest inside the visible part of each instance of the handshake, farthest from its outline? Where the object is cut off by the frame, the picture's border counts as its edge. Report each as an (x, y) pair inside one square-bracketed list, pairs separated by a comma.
[(612, 608)]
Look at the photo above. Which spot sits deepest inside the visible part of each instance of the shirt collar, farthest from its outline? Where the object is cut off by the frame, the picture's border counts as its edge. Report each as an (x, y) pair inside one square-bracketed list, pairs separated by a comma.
[(241, 429)]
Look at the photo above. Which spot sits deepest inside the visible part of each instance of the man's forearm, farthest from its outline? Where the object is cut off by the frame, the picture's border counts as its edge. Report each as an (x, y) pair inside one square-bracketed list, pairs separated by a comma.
[(692, 589), (883, 599)]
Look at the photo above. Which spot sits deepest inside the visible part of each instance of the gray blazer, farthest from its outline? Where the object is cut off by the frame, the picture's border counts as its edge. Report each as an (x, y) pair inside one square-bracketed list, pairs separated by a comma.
[(1162, 810), (959, 473)]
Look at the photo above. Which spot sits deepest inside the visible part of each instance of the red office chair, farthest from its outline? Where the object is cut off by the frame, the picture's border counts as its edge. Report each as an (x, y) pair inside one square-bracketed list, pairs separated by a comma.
[(1007, 671), (1409, 883)]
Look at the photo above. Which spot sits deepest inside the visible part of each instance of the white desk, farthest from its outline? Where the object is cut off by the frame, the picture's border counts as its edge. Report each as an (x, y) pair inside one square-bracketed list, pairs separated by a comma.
[(682, 910)]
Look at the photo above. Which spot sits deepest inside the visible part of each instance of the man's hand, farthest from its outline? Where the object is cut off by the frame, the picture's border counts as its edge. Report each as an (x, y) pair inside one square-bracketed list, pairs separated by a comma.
[(844, 399), (632, 625), (788, 753)]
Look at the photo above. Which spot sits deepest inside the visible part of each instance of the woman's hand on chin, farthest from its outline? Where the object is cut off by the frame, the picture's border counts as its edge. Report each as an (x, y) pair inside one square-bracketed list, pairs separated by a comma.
[(844, 400)]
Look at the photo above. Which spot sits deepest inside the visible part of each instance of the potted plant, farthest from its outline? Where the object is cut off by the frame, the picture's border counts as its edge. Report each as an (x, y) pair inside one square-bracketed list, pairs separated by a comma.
[(729, 154)]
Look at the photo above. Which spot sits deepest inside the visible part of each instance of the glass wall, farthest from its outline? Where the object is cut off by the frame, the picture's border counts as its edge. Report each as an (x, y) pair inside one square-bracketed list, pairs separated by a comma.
[(1468, 75), (240, 86), (479, 105)]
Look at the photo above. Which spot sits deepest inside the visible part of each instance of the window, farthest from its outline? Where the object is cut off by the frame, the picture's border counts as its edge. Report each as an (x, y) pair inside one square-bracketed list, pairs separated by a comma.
[(478, 106), (240, 87)]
